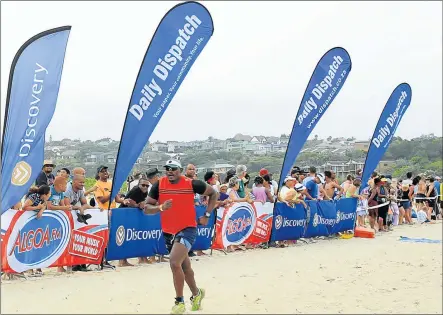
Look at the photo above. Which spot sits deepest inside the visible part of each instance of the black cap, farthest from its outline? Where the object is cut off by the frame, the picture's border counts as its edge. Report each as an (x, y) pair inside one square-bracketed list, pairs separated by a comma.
[(152, 172), (101, 168), (231, 172)]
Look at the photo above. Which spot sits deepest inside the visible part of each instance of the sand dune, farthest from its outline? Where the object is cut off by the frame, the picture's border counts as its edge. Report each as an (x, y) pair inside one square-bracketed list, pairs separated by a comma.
[(381, 275)]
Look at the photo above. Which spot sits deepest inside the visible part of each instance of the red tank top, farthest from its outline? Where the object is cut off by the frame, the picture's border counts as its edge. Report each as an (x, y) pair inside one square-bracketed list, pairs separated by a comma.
[(182, 213)]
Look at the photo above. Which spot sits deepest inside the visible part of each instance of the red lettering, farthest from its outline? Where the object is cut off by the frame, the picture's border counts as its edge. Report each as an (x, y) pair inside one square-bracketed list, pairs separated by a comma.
[(46, 237), (29, 240), (16, 244), (32, 239), (22, 247), (238, 225)]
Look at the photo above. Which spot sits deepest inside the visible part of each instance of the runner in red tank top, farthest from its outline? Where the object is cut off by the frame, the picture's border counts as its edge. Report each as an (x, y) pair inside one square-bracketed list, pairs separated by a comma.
[(173, 197)]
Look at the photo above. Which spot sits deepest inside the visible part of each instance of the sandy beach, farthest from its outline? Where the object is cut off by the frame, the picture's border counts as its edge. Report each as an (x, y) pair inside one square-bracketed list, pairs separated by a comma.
[(382, 275)]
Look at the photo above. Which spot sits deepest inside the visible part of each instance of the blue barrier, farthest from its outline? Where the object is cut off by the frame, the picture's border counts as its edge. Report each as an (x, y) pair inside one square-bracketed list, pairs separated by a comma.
[(320, 218), (134, 234), (203, 240)]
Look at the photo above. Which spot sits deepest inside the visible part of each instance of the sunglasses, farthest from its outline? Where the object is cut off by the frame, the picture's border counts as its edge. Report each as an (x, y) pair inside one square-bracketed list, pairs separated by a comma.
[(170, 168), (144, 185)]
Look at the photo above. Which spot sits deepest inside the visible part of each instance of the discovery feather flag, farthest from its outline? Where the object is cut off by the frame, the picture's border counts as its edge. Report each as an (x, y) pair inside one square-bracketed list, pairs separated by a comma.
[(326, 81), (387, 124), (34, 82), (179, 39)]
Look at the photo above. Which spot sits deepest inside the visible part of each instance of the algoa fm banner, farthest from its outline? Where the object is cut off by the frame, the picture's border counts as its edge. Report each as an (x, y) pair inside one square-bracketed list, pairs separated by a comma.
[(179, 39), (326, 82), (56, 239), (135, 234), (387, 124), (243, 223), (320, 218), (34, 82)]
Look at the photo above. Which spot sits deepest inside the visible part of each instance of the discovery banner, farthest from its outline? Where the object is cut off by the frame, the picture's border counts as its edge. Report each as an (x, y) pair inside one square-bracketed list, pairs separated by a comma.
[(387, 124), (34, 82), (179, 39), (326, 81), (320, 218)]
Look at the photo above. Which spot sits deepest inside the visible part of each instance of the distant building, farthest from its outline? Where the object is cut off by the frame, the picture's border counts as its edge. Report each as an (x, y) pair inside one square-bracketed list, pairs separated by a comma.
[(341, 168), (69, 154), (216, 168), (159, 147), (361, 145), (385, 167)]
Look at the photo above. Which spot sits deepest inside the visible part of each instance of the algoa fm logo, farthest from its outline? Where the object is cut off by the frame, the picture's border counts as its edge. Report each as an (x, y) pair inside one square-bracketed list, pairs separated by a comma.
[(284, 222), (21, 173), (238, 223), (35, 243)]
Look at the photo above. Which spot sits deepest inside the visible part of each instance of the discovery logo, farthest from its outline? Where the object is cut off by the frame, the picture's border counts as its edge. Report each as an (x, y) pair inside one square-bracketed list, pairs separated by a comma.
[(284, 222), (122, 235)]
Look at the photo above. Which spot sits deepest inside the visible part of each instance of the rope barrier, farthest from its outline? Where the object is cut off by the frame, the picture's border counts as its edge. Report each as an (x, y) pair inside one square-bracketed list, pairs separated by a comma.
[(378, 206), (425, 198)]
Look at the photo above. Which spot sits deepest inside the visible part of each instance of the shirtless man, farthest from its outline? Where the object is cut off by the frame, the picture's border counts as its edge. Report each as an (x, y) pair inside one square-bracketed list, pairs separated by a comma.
[(331, 185)]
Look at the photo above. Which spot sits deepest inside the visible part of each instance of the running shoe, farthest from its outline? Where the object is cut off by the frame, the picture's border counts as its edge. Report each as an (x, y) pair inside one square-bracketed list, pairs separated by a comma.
[(196, 301), (178, 308)]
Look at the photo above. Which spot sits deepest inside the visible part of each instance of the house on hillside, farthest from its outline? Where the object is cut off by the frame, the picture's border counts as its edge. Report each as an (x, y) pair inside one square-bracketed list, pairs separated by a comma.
[(284, 140), (279, 147), (69, 154), (94, 158), (151, 157), (272, 140), (110, 157), (385, 167), (104, 142), (159, 147), (341, 168), (207, 145), (220, 144), (236, 145), (361, 145), (215, 167), (258, 139), (240, 137), (55, 148), (101, 157), (249, 147), (263, 149)]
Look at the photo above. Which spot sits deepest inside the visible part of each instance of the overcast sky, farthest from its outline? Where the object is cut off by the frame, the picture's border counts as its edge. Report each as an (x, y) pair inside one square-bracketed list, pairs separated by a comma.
[(251, 76)]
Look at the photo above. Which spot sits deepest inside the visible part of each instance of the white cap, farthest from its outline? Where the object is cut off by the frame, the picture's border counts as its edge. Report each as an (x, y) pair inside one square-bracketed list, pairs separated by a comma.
[(289, 178), (173, 163), (321, 177), (299, 187)]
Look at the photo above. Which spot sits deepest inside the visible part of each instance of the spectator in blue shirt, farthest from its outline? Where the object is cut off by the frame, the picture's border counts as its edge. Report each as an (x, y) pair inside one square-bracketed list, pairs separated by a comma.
[(312, 186), (58, 201)]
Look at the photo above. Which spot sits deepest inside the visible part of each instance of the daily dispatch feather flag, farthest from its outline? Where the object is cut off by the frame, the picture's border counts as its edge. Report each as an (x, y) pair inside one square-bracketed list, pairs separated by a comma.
[(179, 39), (387, 124), (34, 82), (326, 81)]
